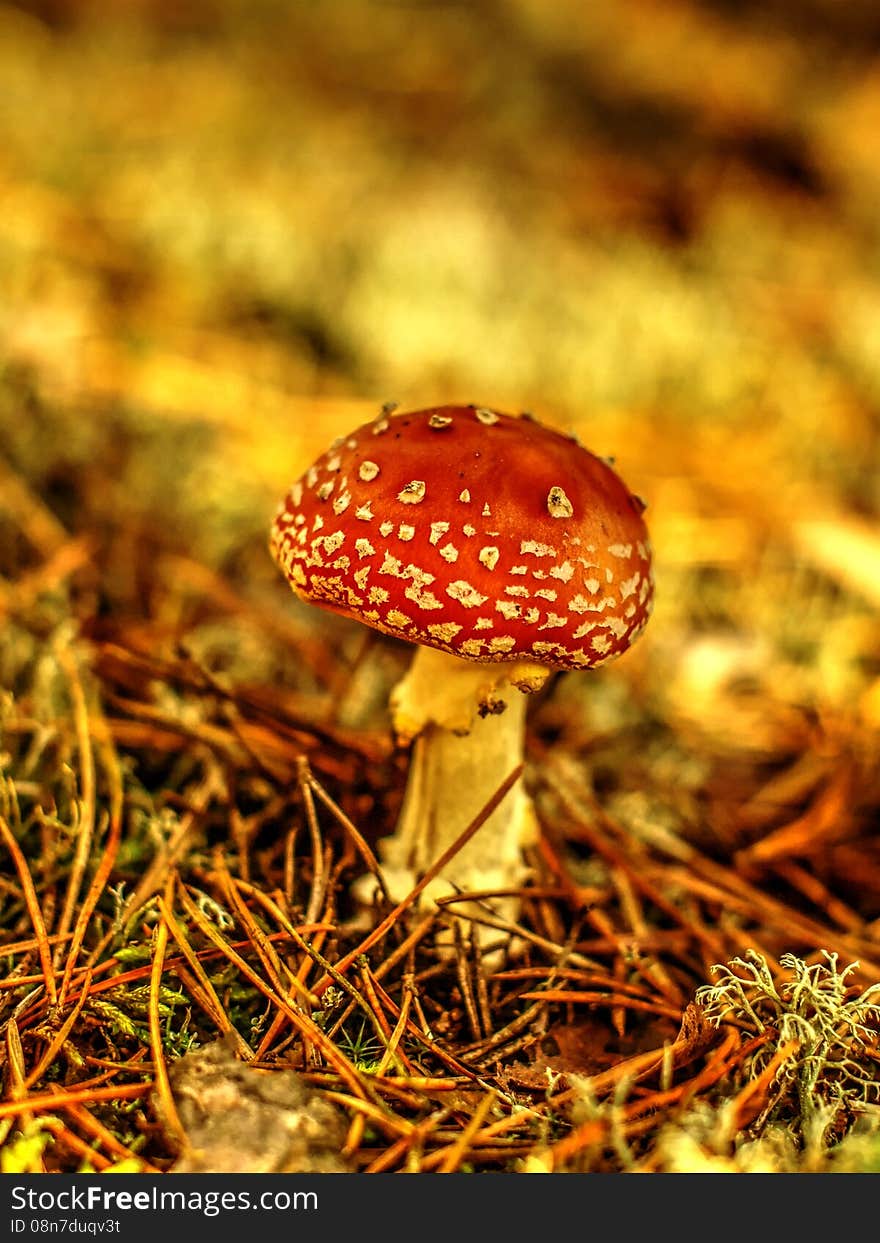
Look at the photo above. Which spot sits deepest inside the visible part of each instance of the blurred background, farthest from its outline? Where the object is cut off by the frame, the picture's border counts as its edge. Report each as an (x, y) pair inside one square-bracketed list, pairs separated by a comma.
[(231, 229)]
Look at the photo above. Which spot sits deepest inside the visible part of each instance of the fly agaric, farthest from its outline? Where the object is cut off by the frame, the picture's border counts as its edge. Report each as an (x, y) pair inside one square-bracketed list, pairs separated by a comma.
[(503, 549)]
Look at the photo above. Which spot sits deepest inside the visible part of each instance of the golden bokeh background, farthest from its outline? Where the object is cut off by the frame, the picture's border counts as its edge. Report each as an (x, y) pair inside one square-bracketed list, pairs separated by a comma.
[(234, 228)]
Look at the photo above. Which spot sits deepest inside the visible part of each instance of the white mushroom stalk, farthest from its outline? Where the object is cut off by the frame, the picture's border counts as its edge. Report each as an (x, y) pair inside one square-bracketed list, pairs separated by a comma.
[(502, 549), (466, 722)]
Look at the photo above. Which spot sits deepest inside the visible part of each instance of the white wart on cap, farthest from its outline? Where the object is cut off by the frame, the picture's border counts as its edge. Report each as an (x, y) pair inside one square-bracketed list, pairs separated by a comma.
[(483, 534)]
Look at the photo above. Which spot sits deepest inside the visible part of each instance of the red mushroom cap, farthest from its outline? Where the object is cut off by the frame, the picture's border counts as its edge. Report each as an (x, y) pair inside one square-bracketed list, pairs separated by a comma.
[(480, 533)]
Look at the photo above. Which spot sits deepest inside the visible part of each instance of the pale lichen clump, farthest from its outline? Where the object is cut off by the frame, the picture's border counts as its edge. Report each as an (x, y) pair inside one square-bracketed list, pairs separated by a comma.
[(825, 1038)]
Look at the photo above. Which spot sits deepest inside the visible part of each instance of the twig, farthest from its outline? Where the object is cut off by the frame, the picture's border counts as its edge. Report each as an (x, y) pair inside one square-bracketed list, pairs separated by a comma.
[(167, 1106), (33, 908)]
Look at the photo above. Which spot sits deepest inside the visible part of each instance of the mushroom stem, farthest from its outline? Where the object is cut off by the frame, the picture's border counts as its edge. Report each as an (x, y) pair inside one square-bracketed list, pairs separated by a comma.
[(470, 720)]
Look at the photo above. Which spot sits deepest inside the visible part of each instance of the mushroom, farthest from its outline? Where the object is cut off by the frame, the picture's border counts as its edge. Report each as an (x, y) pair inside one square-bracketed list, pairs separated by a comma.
[(503, 550)]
